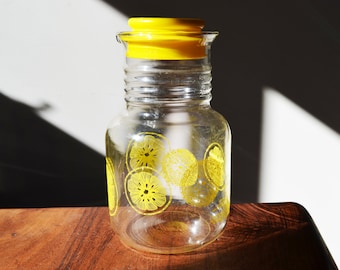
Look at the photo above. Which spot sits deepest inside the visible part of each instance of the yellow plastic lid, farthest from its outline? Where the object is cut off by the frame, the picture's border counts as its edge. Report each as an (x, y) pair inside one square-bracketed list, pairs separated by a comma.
[(165, 38)]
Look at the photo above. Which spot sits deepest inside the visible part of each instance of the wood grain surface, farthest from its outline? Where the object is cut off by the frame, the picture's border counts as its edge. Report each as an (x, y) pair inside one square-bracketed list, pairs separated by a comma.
[(257, 236)]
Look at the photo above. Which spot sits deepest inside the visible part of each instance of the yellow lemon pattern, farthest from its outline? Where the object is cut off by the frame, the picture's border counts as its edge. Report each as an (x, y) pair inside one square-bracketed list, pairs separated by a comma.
[(180, 167), (214, 165), (145, 150), (111, 187), (201, 194), (153, 167), (146, 193)]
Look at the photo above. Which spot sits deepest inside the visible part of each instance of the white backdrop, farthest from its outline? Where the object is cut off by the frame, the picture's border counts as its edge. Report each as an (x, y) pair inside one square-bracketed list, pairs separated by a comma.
[(300, 163), (64, 53)]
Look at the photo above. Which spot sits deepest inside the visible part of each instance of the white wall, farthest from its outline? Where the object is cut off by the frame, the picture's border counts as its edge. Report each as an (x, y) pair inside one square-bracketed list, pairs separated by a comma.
[(300, 163), (64, 53)]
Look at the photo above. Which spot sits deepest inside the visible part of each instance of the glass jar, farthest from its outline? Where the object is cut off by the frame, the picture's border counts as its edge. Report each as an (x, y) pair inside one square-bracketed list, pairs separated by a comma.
[(168, 154)]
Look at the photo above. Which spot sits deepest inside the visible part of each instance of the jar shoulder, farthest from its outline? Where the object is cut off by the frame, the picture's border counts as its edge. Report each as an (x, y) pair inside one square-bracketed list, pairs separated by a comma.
[(160, 118)]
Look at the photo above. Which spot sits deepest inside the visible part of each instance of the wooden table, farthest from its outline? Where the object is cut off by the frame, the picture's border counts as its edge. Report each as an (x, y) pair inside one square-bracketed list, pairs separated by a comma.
[(258, 236)]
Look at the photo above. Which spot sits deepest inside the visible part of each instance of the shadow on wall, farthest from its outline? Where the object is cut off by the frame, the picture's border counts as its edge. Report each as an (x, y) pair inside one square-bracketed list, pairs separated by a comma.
[(42, 166), (292, 46)]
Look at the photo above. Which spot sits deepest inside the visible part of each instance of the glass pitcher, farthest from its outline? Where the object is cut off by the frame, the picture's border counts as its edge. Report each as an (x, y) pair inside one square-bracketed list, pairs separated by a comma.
[(168, 154)]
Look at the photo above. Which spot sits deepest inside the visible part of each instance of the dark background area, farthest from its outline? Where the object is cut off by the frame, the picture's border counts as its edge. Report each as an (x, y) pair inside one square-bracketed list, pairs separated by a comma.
[(40, 165), (291, 46)]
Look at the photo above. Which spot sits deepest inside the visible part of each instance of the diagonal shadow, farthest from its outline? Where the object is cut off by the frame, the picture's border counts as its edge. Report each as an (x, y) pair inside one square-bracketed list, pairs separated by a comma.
[(292, 46), (42, 166)]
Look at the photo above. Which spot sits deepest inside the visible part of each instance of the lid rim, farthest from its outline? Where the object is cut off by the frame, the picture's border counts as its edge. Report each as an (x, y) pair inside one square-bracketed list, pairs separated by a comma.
[(166, 38)]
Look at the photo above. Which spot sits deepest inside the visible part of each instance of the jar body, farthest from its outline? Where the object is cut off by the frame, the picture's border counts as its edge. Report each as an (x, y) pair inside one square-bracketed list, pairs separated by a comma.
[(168, 155), (168, 172)]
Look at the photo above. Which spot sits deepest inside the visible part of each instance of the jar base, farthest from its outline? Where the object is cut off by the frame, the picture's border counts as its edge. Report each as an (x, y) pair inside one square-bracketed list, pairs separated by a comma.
[(170, 232)]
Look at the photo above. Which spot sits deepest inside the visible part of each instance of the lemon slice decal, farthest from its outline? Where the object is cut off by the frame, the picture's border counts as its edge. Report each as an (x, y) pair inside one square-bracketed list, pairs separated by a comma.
[(201, 194), (111, 187), (146, 149), (180, 167), (146, 192), (214, 165)]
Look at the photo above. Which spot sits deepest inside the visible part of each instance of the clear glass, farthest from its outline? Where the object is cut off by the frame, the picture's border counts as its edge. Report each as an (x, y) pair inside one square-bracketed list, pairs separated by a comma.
[(168, 158)]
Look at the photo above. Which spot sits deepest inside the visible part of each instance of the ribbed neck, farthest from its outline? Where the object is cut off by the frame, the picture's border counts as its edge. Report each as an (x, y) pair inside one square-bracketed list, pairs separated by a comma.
[(167, 82)]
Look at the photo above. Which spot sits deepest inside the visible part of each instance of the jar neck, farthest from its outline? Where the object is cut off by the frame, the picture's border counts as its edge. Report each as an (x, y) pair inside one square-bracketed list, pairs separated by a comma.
[(168, 83)]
